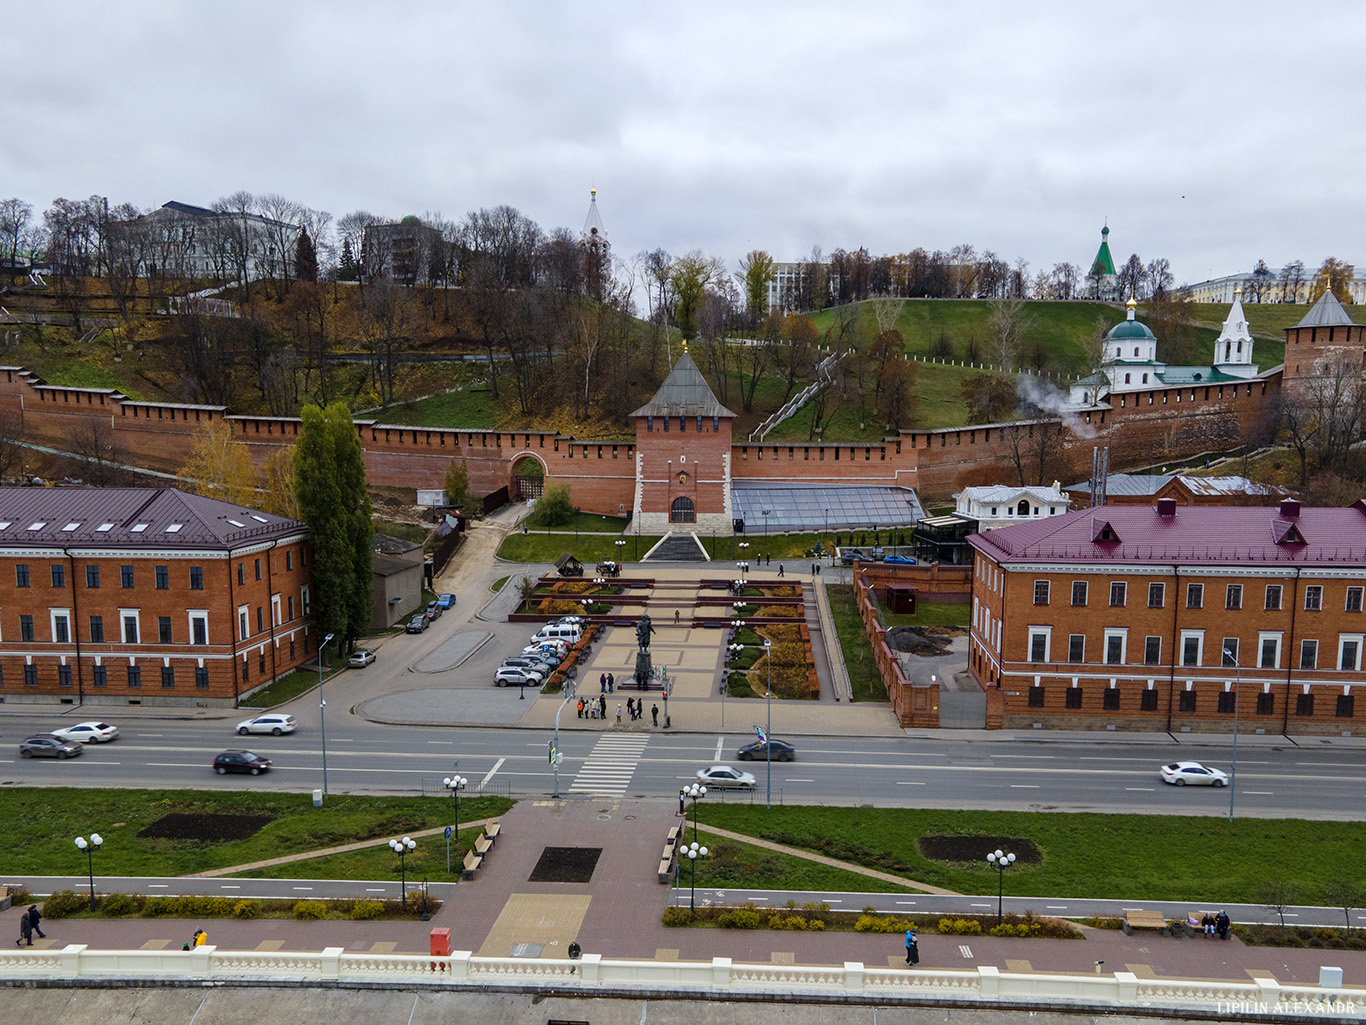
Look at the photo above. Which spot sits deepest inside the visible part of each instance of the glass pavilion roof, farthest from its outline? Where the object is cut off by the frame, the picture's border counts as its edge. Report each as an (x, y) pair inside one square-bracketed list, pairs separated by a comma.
[(822, 506)]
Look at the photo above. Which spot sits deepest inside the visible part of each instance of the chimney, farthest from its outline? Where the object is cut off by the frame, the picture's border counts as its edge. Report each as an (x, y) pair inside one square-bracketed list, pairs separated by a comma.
[(1166, 507), (1290, 509)]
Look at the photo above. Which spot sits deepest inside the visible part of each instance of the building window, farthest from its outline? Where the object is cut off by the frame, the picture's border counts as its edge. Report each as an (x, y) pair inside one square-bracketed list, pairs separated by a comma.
[(261, 662), (1185, 702), (130, 627), (58, 575), (1114, 647), (135, 676), (196, 578), (1233, 597), (243, 630), (1152, 651), (92, 577), (1354, 599), (303, 598), (1266, 703), (1195, 596), (1313, 598), (1117, 592), (289, 560), (1273, 597), (1110, 699), (97, 629), (1304, 704), (1041, 592), (1073, 697), (25, 628), (1349, 653), (126, 577), (1076, 648), (1229, 652), (1038, 645), (258, 569), (1345, 706), (30, 676), (289, 605), (260, 620), (99, 676), (1036, 697), (163, 578), (21, 575), (199, 628), (167, 676), (1148, 702), (163, 629), (61, 628), (682, 511), (1157, 595), (1078, 592), (201, 678), (1309, 654), (1271, 652), (241, 573), (1192, 645), (1227, 700)]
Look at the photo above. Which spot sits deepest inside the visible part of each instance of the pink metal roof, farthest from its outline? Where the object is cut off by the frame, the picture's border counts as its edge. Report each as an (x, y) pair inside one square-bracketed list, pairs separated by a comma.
[(1246, 535)]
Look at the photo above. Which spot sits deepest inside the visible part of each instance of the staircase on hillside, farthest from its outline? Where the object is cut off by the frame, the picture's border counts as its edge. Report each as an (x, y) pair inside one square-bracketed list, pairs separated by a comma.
[(677, 547)]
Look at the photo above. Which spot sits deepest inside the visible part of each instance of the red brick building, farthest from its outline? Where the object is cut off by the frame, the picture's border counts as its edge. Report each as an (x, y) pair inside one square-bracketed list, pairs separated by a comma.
[(1170, 617), (146, 596)]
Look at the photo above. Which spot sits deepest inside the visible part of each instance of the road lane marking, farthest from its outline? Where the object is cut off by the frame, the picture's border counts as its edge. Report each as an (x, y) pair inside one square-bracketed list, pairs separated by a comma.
[(496, 766), (1259, 793), (903, 783), (980, 905), (793, 779), (1139, 790), (158, 886), (1055, 907), (965, 950), (225, 886), (909, 902), (720, 742), (1024, 786), (301, 887)]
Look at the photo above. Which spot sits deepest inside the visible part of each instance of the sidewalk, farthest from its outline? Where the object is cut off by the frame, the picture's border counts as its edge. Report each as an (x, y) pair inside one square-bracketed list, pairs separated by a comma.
[(616, 913)]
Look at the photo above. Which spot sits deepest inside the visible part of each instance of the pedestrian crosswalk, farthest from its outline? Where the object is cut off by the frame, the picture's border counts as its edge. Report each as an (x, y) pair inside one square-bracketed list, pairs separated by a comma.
[(610, 765)]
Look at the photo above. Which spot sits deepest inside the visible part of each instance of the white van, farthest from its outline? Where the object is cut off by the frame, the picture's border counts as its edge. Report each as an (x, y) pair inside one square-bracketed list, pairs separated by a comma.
[(568, 632)]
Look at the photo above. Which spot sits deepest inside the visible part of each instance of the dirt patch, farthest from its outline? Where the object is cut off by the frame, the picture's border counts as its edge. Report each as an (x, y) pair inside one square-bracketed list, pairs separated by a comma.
[(206, 828), (976, 848), (566, 865), (917, 640)]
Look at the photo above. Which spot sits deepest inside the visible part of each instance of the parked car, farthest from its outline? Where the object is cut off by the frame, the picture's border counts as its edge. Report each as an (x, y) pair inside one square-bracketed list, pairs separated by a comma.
[(240, 761), (433, 610), (1193, 773), (725, 776), (851, 555), (510, 675), (445, 601), (272, 723), (360, 658), (417, 624), (905, 560), (571, 620), (45, 745), (778, 750), (529, 662), (88, 732)]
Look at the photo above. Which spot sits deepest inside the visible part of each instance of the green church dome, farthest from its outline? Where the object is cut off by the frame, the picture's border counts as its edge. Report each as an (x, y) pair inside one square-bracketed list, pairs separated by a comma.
[(1130, 330)]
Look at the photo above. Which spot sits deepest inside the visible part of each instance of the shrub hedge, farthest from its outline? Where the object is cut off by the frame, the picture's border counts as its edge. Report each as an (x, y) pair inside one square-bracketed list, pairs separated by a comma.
[(66, 903), (819, 918)]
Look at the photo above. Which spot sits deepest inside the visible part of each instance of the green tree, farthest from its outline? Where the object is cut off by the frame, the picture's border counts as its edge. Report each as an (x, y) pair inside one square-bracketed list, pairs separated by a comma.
[(756, 271), (691, 276), (329, 481), (554, 508), (457, 482), (1334, 274), (305, 258)]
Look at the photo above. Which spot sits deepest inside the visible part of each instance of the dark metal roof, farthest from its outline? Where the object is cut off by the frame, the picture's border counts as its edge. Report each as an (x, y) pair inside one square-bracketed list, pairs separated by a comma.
[(132, 518), (1327, 312), (1213, 535), (685, 392), (387, 544)]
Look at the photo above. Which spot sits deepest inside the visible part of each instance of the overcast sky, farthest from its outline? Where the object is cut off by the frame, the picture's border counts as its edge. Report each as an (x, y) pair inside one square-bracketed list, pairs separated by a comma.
[(1212, 134)]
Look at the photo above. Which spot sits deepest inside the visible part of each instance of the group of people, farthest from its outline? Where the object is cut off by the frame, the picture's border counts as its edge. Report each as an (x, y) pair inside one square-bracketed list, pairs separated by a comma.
[(635, 707), (593, 709), (28, 925), (606, 682), (1216, 924)]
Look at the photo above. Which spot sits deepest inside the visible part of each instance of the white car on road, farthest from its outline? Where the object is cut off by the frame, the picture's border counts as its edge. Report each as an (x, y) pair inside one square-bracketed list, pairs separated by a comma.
[(725, 776), (1193, 774), (270, 723), (88, 732)]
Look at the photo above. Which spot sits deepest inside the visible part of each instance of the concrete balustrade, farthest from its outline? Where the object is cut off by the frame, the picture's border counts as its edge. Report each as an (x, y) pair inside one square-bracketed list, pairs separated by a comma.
[(985, 985)]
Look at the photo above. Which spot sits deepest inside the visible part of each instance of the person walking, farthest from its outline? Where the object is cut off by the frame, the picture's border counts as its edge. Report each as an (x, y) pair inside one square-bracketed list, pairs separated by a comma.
[(26, 927), (675, 617), (780, 569), (912, 948), (602, 706), (681, 795), (618, 713), (654, 715), (33, 919)]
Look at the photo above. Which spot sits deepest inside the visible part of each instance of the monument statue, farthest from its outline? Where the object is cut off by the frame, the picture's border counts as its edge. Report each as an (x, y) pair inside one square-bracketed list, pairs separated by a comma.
[(643, 630)]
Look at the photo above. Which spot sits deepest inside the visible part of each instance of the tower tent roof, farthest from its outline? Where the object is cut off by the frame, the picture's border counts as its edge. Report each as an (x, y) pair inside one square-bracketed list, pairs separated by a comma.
[(592, 224), (1103, 263), (685, 392), (1235, 324), (1327, 312)]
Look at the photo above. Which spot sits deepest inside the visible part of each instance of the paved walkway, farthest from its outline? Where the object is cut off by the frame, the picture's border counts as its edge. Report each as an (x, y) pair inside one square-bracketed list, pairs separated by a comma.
[(617, 912)]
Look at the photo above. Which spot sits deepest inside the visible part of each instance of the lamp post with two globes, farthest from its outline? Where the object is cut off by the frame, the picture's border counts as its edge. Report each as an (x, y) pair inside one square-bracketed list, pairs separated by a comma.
[(90, 848), (402, 848)]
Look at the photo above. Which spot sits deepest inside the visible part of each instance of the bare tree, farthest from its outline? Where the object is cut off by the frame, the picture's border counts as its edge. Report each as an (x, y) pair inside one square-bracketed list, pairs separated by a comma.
[(12, 443), (1065, 278), (1291, 281), (1343, 892), (14, 229), (1323, 412), (95, 455), (1008, 325), (1159, 274), (1132, 277), (1277, 894)]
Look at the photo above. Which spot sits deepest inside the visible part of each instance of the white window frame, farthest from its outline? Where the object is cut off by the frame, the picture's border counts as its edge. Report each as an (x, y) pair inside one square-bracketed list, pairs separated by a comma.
[(275, 609), (1280, 598), (1317, 590), (1315, 643), (303, 597), (1262, 638), (1047, 591), (1199, 637), (1343, 641), (198, 615), (1122, 633), (65, 616), (1046, 632), (243, 622), (127, 616)]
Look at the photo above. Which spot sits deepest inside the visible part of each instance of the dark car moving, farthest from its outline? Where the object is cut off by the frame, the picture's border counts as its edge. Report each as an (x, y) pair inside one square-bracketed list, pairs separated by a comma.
[(782, 751), (240, 761)]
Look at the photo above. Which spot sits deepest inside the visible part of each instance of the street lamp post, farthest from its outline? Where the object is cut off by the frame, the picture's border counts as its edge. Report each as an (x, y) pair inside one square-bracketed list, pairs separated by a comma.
[(1000, 861), (571, 688), (90, 848), (322, 707), (694, 791), (692, 852), (1237, 687), (620, 543), (454, 784), (768, 730), (401, 848)]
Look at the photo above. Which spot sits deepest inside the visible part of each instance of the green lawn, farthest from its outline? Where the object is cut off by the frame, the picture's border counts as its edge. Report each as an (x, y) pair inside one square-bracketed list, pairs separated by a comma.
[(291, 685), (864, 680), (38, 825), (732, 864), (1202, 860), (590, 549), (932, 614), (469, 408)]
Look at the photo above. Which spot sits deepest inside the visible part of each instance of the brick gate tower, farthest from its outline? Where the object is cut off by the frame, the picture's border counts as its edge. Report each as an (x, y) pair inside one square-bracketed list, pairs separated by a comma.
[(1327, 332), (683, 438)]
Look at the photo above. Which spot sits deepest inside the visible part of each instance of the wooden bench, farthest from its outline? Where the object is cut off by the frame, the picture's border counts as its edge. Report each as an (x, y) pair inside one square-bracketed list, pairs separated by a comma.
[(673, 836), (472, 863), (491, 829), (4, 898), (482, 845), (666, 869), (1142, 920)]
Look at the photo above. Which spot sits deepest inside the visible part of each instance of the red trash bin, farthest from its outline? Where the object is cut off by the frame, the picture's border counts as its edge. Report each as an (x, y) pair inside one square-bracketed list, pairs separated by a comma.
[(441, 943)]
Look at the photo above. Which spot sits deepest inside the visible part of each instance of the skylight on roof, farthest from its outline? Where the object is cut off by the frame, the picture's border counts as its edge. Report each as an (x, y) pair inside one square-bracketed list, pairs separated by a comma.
[(236, 523), (174, 528), (37, 526), (261, 519), (5, 524), (104, 527), (138, 528), (71, 526)]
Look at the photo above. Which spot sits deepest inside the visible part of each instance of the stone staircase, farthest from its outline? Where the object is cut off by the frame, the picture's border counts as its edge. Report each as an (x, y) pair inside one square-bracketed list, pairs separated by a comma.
[(676, 547)]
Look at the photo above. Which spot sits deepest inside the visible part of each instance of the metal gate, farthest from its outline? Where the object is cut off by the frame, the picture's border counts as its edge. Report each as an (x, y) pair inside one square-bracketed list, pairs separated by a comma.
[(959, 710), (529, 488)]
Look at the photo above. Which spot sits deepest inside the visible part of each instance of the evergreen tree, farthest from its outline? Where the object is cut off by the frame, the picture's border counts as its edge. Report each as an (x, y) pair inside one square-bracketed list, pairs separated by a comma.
[(305, 258), (329, 481)]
